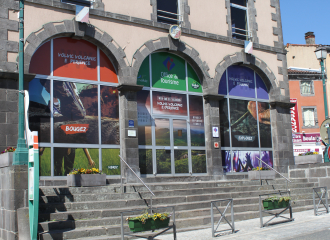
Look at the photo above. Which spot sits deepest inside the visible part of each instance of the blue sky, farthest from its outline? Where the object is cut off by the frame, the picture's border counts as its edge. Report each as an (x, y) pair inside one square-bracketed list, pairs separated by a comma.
[(301, 16)]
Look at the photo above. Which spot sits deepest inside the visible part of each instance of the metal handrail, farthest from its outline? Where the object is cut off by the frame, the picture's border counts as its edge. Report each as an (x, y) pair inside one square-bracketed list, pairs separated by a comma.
[(273, 169), (135, 175)]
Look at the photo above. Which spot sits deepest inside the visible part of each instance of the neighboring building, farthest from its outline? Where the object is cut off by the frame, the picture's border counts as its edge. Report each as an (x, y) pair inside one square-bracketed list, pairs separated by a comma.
[(306, 90)]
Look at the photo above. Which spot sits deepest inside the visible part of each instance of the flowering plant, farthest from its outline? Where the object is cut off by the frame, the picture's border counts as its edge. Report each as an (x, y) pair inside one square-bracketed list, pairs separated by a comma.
[(85, 171), (260, 168), (280, 199), (308, 153), (145, 216), (9, 149)]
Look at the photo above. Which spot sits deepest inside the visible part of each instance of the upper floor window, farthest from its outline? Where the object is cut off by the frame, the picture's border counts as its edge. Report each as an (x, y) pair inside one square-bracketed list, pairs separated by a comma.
[(85, 3), (168, 11), (239, 19), (306, 88), (309, 117)]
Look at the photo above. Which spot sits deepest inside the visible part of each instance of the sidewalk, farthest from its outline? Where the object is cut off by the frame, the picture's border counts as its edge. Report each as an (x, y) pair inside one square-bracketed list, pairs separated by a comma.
[(305, 226)]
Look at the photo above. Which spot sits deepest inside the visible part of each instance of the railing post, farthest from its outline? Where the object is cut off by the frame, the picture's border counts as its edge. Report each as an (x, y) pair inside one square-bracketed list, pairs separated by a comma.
[(122, 227), (232, 216), (326, 199), (314, 202), (212, 219)]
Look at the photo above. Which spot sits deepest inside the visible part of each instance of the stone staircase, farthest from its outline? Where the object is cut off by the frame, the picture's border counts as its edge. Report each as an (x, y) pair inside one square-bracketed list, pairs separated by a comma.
[(94, 212)]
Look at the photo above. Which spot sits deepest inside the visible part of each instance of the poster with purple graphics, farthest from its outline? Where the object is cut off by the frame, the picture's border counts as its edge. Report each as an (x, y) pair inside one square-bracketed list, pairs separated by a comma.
[(244, 161), (226, 160), (241, 81)]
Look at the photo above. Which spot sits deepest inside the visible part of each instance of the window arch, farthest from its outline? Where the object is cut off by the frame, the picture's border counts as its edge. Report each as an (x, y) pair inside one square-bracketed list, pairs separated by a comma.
[(170, 117), (74, 106), (245, 124)]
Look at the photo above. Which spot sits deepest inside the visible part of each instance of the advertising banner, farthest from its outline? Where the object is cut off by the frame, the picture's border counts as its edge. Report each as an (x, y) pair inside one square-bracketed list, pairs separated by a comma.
[(169, 103), (241, 81), (197, 132), (294, 116), (74, 59), (193, 81), (244, 127), (168, 71), (143, 77), (244, 161), (306, 137)]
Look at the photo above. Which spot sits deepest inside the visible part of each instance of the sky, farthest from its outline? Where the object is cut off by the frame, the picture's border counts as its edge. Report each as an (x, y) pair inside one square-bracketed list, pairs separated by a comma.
[(301, 16)]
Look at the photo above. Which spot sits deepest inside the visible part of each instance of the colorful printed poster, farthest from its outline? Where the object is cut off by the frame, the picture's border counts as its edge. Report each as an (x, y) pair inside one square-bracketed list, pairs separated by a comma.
[(226, 160), (143, 77), (244, 127), (169, 103), (144, 118), (241, 81), (223, 84), (40, 61), (74, 59), (168, 71), (194, 84), (244, 161), (262, 91), (197, 132)]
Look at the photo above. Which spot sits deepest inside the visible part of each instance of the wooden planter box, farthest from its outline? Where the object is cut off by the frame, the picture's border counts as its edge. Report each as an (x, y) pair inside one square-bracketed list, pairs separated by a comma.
[(86, 180), (269, 205), (264, 175), (6, 159), (138, 226), (308, 159)]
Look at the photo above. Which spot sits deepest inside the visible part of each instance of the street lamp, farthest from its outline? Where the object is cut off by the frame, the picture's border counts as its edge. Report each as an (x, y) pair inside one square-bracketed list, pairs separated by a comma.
[(321, 55)]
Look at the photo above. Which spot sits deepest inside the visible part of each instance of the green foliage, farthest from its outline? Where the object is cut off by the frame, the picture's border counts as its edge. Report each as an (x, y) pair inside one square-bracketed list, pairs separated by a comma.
[(279, 199), (110, 157), (145, 216), (45, 162)]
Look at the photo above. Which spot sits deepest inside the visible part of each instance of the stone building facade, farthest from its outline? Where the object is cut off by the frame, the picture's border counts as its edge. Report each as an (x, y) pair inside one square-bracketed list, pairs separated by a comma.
[(126, 46)]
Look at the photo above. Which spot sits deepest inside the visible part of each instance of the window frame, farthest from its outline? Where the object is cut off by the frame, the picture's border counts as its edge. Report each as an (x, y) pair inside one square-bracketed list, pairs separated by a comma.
[(315, 117), (248, 32), (312, 88), (178, 14)]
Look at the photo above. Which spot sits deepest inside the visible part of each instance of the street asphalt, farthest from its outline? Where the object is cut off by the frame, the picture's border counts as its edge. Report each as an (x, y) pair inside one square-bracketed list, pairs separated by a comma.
[(305, 226)]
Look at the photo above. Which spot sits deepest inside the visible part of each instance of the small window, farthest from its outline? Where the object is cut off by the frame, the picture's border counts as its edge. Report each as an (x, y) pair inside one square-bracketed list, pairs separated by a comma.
[(167, 11), (306, 88), (85, 3), (309, 117), (239, 19)]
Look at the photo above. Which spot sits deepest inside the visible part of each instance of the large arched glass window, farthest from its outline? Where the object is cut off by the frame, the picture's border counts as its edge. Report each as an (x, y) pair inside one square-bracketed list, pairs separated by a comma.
[(170, 117), (244, 120), (74, 106)]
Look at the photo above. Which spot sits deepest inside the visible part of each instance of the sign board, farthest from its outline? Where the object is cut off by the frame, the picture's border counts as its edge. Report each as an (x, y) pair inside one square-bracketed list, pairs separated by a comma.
[(175, 32), (82, 14), (248, 47), (215, 132), (216, 145), (130, 123), (294, 116), (306, 137), (131, 133)]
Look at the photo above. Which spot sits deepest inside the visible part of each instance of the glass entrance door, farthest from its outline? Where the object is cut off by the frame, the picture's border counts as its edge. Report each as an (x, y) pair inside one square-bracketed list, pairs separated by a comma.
[(171, 140)]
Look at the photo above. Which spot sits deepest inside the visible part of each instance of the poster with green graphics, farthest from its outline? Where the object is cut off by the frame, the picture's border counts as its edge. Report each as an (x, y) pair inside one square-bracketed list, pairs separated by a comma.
[(168, 71), (143, 77), (194, 84)]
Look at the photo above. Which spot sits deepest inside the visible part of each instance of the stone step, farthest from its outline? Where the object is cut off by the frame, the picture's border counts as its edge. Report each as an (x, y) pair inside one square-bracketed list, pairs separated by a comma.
[(198, 209), (182, 205), (113, 231), (115, 188), (186, 192), (200, 196)]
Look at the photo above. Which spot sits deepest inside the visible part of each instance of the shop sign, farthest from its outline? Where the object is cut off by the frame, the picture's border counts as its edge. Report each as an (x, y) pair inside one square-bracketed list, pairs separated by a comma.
[(75, 128), (175, 32), (294, 116), (244, 138), (215, 131), (306, 137), (169, 103)]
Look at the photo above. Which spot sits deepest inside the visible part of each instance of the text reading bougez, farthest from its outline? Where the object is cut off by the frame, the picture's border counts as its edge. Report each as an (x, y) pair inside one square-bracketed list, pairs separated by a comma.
[(77, 59), (75, 128)]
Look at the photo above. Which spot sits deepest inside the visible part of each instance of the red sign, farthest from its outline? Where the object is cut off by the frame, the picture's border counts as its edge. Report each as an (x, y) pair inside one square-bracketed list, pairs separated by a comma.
[(216, 145), (306, 137), (75, 128), (169, 103), (294, 116)]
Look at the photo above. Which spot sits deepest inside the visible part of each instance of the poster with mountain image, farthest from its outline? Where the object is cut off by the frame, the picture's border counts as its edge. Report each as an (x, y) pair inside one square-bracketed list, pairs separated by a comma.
[(197, 132)]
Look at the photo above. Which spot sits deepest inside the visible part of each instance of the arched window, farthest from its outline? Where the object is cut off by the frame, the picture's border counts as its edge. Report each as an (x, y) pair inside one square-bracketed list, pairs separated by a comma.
[(170, 117), (244, 120), (74, 106)]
